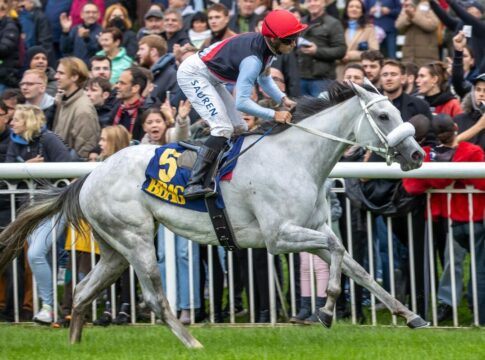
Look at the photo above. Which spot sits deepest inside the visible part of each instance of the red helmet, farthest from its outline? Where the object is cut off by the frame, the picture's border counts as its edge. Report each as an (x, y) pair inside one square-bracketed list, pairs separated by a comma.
[(281, 24)]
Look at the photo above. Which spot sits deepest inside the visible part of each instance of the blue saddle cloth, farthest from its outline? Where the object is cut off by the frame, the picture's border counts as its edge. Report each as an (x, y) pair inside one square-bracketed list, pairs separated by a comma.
[(166, 181)]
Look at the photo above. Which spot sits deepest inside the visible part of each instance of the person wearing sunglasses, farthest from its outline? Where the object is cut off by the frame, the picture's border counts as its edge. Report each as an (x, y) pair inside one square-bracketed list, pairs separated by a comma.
[(244, 60)]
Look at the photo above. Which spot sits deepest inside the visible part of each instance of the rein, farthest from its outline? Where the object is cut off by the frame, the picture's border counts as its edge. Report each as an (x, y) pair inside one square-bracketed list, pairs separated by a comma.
[(390, 140), (266, 133), (385, 151)]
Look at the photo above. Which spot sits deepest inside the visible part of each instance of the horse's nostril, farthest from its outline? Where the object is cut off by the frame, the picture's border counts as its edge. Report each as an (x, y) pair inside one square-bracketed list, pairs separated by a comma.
[(417, 155)]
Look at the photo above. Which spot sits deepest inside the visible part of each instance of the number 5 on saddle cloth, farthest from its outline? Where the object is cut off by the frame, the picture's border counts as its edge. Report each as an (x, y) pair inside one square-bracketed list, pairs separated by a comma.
[(169, 171)]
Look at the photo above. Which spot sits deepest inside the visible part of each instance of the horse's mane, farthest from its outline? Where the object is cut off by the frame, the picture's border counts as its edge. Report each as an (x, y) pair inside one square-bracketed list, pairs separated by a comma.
[(337, 93)]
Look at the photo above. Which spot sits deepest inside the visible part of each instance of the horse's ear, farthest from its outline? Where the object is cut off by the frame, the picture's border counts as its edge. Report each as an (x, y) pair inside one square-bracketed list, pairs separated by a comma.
[(358, 90), (369, 84)]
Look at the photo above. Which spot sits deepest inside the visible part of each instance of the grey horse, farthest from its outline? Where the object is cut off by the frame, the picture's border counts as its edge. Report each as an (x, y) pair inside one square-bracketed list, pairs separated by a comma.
[(276, 199)]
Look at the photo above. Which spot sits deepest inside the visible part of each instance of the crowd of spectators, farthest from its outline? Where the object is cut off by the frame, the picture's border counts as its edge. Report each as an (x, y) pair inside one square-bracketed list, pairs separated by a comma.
[(81, 79)]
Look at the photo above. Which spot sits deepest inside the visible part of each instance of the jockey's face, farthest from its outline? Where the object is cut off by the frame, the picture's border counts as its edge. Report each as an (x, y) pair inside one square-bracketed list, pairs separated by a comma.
[(282, 46)]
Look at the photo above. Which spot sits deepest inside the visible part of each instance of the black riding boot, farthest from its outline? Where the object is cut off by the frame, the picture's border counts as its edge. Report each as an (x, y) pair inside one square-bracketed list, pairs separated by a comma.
[(199, 185)]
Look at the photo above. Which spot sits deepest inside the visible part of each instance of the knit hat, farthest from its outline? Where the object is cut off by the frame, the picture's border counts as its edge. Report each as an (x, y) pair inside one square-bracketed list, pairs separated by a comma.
[(32, 51)]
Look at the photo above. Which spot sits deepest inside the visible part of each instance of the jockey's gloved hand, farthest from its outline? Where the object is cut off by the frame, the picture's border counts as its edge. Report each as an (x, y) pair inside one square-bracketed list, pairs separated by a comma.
[(282, 116), (288, 103)]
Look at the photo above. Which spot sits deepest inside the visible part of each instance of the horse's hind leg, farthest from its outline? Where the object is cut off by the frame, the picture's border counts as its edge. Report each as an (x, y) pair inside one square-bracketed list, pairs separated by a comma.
[(144, 262), (107, 270)]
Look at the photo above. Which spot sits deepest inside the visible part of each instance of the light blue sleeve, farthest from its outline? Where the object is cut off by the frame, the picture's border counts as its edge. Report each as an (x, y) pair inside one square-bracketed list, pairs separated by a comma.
[(249, 70), (270, 88)]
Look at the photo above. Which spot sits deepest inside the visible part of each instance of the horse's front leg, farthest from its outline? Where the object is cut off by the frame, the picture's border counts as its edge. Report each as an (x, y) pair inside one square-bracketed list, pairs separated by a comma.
[(292, 238)]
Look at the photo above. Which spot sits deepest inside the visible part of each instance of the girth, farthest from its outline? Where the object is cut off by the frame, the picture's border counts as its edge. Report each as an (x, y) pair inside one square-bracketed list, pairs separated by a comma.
[(219, 218)]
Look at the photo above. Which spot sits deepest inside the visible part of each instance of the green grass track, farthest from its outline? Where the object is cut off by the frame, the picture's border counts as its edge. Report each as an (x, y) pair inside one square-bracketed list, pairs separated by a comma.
[(343, 341)]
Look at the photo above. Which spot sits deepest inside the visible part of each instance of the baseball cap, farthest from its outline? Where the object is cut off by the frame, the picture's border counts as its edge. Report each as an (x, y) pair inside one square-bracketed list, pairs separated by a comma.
[(480, 77), (153, 13)]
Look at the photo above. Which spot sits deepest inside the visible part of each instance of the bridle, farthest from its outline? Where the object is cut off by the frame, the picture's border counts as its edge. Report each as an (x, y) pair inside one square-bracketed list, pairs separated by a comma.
[(389, 141)]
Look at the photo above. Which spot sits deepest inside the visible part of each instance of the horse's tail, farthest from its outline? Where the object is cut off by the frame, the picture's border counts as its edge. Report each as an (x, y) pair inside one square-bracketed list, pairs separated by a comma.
[(53, 200)]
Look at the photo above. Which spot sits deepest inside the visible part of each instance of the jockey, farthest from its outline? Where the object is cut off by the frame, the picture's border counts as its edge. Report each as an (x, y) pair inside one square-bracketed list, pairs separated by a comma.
[(243, 60)]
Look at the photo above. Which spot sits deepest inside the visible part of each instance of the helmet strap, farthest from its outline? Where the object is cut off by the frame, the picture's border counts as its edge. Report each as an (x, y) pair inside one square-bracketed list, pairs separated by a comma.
[(274, 45)]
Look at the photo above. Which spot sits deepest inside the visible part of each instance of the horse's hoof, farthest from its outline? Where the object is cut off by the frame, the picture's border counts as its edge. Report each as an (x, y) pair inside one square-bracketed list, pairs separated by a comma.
[(418, 323), (325, 318)]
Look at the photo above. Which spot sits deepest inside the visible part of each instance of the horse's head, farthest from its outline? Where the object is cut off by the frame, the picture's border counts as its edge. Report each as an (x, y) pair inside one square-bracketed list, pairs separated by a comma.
[(381, 128)]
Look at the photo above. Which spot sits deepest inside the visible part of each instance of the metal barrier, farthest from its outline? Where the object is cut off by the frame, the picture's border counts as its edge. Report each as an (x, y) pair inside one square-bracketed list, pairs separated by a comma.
[(277, 297)]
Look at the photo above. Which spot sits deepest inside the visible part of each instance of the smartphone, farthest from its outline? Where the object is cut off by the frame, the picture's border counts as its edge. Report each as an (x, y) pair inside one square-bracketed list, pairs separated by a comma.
[(302, 42), (467, 30)]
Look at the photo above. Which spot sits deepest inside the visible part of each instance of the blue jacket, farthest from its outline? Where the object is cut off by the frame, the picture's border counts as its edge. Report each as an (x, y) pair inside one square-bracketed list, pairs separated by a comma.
[(53, 9), (84, 48), (386, 22)]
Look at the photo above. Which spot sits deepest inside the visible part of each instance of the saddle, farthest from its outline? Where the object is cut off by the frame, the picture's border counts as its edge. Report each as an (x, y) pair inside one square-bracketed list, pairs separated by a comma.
[(219, 218)]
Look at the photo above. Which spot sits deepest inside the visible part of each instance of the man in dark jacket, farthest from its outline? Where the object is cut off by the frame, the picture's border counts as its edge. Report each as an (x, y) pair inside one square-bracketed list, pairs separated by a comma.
[(152, 54), (35, 27), (130, 87), (392, 77), (325, 44), (81, 40), (173, 29), (98, 90), (153, 24), (9, 49)]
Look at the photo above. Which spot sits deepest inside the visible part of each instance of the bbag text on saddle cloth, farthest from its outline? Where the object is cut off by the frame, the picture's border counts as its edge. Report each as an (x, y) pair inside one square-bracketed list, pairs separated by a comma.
[(166, 181)]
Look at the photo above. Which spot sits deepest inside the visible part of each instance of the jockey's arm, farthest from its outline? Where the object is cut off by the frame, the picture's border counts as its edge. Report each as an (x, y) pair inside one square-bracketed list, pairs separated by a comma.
[(249, 72)]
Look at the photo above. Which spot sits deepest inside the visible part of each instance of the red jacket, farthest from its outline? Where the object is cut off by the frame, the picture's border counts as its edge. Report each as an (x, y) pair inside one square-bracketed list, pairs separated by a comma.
[(451, 107), (465, 152)]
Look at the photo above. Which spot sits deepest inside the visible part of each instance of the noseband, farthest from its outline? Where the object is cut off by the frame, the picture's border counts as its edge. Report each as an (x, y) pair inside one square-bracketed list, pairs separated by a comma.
[(389, 141)]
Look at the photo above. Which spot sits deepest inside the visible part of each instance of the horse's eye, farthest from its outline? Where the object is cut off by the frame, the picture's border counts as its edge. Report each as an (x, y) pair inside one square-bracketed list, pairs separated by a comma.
[(383, 117)]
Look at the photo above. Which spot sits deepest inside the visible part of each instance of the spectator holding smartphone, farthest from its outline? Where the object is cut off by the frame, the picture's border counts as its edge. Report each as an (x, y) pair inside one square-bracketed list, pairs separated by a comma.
[(359, 34), (463, 70), (468, 13), (318, 61)]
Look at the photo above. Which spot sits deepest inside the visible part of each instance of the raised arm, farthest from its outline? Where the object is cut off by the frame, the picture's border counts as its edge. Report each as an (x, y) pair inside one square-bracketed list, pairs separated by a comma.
[(468, 19), (450, 22)]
